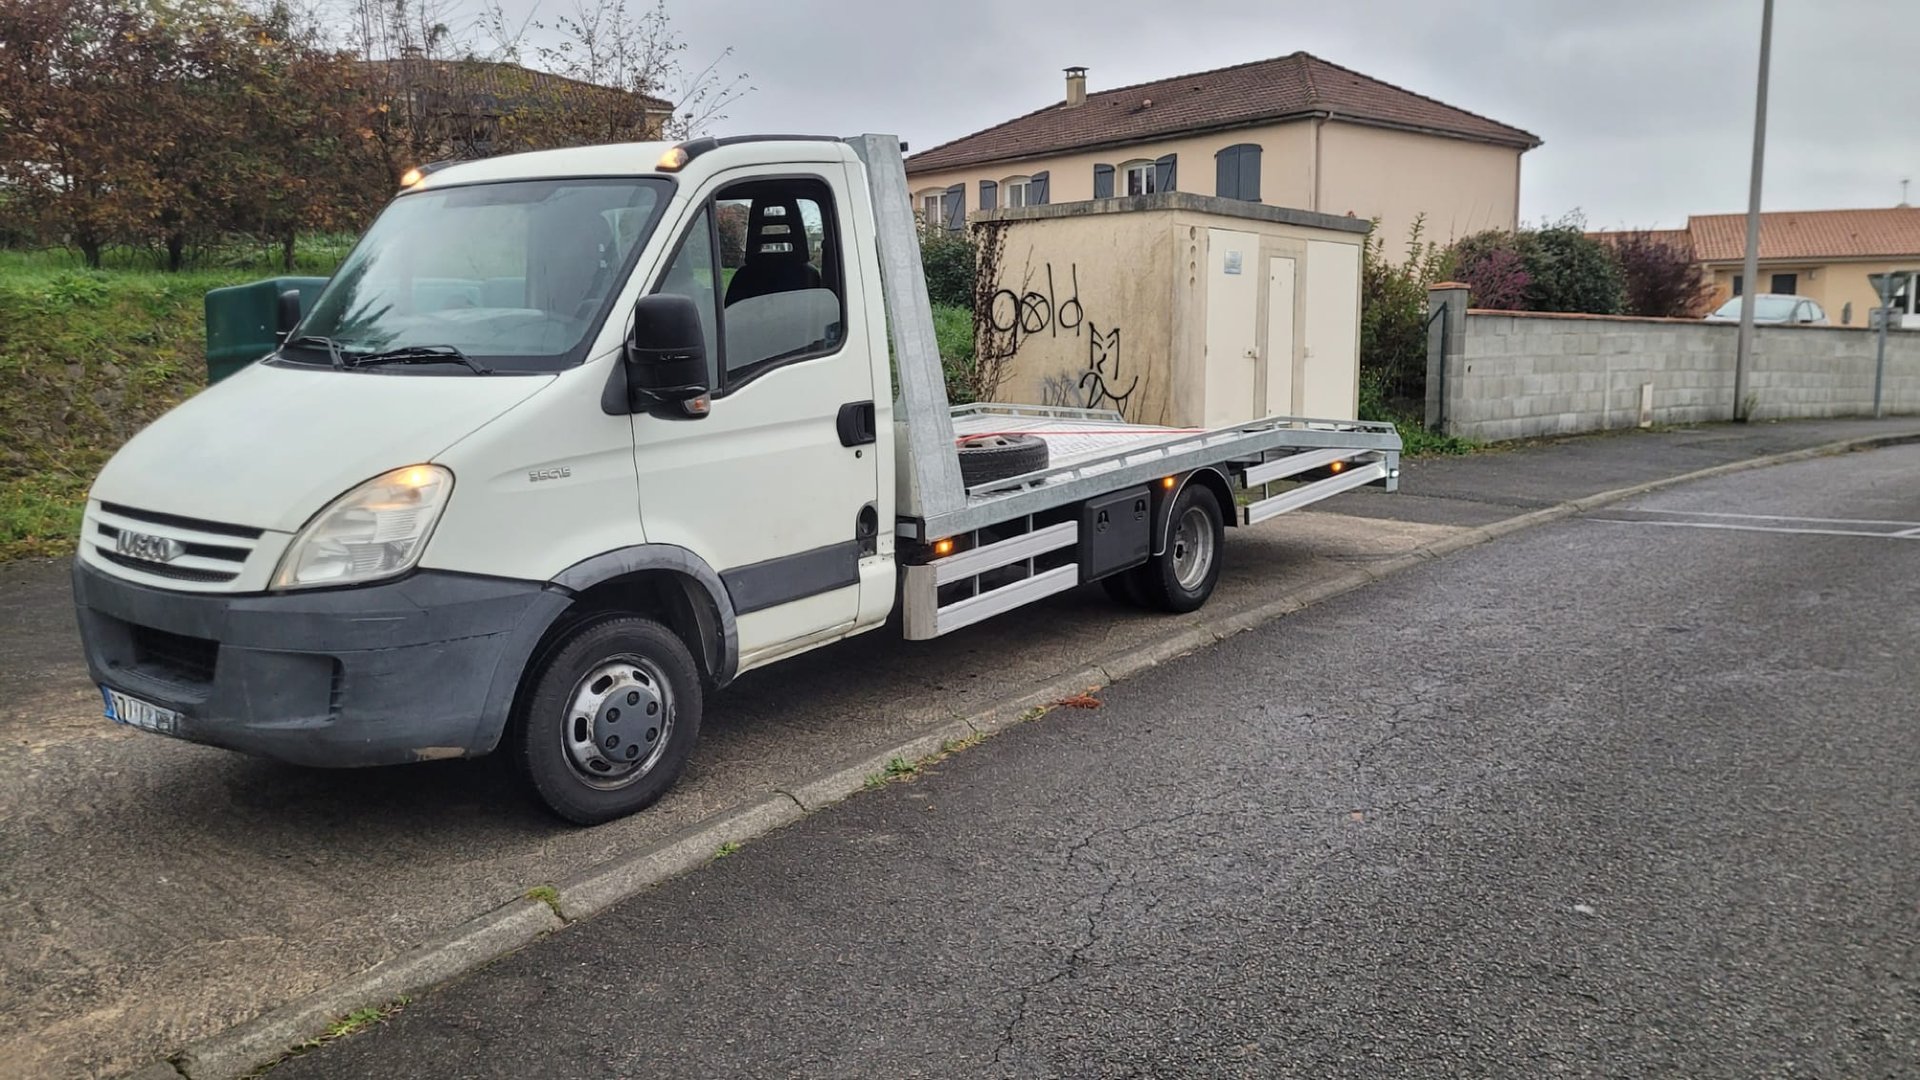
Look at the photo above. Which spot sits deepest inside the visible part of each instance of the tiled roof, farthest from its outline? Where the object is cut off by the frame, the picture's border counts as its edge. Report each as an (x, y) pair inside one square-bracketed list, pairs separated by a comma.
[(1282, 88), (492, 83), (1890, 233)]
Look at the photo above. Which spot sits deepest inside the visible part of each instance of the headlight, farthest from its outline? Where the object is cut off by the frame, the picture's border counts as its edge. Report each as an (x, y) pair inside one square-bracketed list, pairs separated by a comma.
[(375, 531)]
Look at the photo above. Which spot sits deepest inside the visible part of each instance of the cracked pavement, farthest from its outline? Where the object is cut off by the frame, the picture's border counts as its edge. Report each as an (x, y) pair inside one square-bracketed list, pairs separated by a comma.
[(1599, 798)]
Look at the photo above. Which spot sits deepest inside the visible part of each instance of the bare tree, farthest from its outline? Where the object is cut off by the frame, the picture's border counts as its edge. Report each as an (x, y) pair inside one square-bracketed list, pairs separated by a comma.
[(603, 42)]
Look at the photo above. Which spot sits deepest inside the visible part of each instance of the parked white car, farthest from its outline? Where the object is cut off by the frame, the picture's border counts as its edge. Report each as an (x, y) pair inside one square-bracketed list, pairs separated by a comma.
[(1774, 309)]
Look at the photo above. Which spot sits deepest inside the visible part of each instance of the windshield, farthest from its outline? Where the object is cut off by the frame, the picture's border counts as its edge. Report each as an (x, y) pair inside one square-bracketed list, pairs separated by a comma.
[(516, 274), (1765, 309)]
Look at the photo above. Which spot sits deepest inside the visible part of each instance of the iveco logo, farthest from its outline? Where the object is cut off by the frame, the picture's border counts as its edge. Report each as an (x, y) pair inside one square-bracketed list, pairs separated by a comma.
[(149, 548)]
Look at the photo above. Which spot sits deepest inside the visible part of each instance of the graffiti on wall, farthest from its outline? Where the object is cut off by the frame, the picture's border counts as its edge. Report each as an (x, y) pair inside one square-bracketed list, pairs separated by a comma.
[(1017, 316)]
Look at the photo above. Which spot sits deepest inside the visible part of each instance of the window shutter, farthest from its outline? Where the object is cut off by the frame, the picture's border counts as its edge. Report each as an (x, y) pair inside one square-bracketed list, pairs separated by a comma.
[(956, 206), (1103, 181), (1226, 173), (1166, 173), (989, 194), (1037, 190), (1237, 172)]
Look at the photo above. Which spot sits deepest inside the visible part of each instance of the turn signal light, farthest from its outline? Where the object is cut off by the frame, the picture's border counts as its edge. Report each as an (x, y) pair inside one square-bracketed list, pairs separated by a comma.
[(943, 547), (1336, 466), (1167, 483)]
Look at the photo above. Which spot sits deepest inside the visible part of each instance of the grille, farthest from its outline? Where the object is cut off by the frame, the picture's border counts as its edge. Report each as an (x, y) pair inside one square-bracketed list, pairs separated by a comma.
[(182, 658), (152, 517), (167, 570), (204, 553)]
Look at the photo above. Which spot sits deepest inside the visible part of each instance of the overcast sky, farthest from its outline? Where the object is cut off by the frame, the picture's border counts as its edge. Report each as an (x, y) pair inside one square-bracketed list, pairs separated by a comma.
[(1646, 106)]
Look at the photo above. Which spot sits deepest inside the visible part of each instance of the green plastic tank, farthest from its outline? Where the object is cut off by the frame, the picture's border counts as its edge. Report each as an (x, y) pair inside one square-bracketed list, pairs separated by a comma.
[(243, 319)]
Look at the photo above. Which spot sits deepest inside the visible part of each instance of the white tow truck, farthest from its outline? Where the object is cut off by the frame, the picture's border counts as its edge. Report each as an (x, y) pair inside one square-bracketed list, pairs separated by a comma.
[(573, 438)]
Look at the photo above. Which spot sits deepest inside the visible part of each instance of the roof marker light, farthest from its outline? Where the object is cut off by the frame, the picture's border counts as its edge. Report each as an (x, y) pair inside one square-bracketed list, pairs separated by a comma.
[(674, 159)]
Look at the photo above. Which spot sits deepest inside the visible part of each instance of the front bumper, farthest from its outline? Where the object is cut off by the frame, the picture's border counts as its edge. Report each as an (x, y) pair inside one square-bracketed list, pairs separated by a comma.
[(417, 668)]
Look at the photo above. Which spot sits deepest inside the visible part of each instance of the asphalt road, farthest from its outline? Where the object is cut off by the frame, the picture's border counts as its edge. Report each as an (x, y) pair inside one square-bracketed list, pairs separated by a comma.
[(1633, 795)]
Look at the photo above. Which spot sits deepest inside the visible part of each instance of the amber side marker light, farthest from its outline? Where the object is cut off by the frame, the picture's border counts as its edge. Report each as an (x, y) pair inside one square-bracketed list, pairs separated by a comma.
[(1167, 483), (1336, 466), (943, 547)]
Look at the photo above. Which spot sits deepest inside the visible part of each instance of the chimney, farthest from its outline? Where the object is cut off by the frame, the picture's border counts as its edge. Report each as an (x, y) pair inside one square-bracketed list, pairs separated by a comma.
[(1076, 87)]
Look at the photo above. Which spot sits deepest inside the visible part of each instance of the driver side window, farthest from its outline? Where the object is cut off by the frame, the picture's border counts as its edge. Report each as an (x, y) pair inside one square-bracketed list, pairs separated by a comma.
[(692, 274)]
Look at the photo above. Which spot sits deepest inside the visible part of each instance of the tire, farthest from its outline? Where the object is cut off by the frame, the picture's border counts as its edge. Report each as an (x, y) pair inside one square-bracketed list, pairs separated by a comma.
[(996, 457), (1182, 577), (584, 759)]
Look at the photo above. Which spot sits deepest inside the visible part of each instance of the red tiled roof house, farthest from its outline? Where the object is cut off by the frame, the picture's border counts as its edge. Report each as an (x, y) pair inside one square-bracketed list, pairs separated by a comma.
[(1295, 131)]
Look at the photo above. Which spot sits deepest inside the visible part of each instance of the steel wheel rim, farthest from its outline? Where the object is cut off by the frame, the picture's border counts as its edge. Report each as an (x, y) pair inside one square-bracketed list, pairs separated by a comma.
[(619, 720), (1192, 548)]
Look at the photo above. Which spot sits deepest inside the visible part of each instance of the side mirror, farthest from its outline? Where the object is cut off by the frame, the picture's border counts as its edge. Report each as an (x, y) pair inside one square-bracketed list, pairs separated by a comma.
[(286, 313), (666, 351)]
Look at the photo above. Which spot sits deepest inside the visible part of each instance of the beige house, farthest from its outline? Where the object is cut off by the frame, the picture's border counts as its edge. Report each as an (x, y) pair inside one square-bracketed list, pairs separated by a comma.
[(1294, 131), (1826, 255)]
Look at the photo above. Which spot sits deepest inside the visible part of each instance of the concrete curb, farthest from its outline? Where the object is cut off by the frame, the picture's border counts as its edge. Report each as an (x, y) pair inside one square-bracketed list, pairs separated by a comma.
[(239, 1051)]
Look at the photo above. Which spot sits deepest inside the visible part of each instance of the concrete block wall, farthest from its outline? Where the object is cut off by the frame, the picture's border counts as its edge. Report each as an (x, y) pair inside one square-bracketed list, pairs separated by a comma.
[(1520, 375)]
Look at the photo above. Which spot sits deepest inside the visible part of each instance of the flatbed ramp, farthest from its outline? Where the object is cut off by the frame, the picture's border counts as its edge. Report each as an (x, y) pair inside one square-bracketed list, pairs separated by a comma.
[(1017, 540)]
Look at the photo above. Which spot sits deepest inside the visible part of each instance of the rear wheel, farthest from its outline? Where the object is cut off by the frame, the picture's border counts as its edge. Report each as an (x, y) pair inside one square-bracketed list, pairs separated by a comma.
[(611, 719), (1182, 577)]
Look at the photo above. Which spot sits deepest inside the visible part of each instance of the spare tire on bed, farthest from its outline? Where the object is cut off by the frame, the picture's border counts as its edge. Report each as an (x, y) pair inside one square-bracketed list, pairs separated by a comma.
[(996, 457)]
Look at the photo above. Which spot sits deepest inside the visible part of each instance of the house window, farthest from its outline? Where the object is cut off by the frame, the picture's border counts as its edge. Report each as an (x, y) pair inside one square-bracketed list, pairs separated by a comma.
[(1014, 191), (1136, 178), (933, 213), (1785, 284), (1738, 282), (1906, 294)]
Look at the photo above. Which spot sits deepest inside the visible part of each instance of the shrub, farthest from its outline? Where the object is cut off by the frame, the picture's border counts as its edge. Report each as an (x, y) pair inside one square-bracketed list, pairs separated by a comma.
[(948, 258), (1555, 267), (1567, 270), (953, 332), (1493, 269), (1660, 278), (1393, 312)]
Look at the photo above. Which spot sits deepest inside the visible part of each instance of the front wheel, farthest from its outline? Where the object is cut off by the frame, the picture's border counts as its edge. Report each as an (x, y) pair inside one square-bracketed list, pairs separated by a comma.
[(1182, 577), (611, 719)]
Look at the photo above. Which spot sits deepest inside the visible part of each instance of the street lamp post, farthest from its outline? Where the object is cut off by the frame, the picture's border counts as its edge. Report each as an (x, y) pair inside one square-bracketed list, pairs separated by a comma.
[(1743, 350)]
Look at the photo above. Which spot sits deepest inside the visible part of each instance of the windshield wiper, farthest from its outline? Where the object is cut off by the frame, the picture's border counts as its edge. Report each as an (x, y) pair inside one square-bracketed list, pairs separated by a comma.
[(335, 353), (420, 354)]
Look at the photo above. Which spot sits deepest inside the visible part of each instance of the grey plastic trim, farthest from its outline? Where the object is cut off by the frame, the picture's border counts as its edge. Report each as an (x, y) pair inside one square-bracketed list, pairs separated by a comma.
[(719, 632), (768, 584)]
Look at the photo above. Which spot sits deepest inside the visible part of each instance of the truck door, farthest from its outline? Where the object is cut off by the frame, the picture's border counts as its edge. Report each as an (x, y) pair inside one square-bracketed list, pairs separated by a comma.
[(777, 487)]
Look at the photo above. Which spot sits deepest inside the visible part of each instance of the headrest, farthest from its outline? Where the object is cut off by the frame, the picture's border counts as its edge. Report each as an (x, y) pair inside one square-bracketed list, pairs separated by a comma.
[(775, 232)]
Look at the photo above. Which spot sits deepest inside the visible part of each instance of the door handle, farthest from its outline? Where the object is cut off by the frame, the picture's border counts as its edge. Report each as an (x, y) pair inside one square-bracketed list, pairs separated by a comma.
[(855, 423)]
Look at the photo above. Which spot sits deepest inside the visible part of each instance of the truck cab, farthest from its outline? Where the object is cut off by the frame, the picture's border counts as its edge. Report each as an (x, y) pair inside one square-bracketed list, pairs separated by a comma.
[(570, 440)]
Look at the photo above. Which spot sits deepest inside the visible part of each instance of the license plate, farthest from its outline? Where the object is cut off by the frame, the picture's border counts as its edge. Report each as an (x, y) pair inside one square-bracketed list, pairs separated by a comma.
[(145, 715)]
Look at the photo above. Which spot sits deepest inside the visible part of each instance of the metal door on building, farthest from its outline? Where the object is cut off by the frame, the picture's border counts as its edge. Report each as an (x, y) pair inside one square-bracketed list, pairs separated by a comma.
[(1233, 352)]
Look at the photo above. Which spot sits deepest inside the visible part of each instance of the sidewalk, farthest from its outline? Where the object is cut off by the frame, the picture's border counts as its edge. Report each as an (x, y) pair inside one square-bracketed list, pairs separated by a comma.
[(156, 893)]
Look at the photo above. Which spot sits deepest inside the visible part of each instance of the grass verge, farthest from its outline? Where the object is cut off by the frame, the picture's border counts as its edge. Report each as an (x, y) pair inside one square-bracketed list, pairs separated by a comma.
[(88, 358)]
